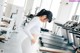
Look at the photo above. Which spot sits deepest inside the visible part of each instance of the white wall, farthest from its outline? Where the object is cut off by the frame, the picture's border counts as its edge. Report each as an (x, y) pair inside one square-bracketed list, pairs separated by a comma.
[(10, 3), (63, 13), (18, 17), (29, 6), (1, 8), (36, 4), (8, 8), (19, 3)]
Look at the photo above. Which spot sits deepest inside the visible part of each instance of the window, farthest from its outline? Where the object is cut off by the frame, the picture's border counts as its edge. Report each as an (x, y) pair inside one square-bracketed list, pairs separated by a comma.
[(5, 3), (73, 11), (40, 4), (36, 6), (46, 4), (78, 10), (54, 8), (19, 3)]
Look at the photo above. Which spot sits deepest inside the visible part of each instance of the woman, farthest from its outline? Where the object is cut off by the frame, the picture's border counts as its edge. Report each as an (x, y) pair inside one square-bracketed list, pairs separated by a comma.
[(33, 30)]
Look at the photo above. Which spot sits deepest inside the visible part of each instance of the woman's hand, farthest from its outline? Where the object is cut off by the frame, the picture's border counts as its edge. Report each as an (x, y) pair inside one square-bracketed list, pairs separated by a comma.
[(33, 40), (78, 51)]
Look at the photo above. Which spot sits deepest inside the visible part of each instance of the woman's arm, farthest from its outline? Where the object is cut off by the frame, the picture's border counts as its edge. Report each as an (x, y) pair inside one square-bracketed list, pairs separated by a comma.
[(29, 26)]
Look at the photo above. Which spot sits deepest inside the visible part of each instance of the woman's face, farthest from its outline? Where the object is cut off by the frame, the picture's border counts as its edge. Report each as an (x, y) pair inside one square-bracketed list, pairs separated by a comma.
[(44, 18)]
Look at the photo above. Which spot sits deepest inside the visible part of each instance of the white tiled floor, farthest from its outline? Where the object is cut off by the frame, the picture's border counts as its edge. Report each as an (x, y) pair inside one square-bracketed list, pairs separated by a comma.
[(13, 45)]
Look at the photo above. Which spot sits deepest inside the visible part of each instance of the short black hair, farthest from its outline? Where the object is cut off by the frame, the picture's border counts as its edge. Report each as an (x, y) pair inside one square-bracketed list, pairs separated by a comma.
[(47, 13)]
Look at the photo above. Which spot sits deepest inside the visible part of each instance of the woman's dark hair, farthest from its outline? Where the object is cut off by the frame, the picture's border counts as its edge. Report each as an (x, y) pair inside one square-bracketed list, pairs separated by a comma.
[(30, 16), (47, 13)]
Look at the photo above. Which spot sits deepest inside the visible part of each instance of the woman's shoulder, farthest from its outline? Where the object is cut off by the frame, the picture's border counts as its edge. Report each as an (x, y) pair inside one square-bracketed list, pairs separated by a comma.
[(35, 18)]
